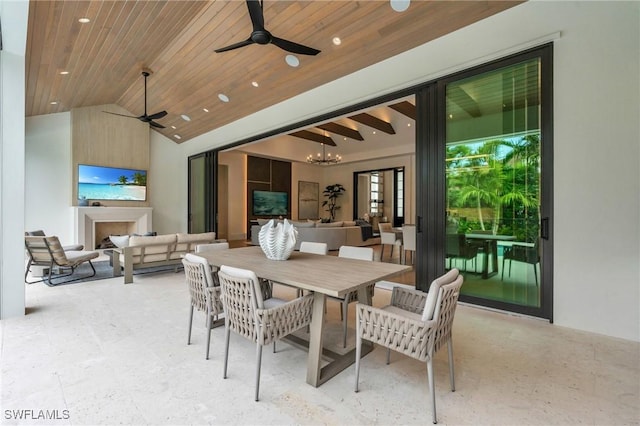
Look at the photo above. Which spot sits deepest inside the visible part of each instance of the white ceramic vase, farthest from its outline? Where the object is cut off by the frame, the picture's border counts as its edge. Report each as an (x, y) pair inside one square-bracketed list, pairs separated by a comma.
[(277, 240)]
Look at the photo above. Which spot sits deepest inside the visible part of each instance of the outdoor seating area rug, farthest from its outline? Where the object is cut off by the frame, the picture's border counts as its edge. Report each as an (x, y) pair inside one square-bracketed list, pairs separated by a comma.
[(103, 271)]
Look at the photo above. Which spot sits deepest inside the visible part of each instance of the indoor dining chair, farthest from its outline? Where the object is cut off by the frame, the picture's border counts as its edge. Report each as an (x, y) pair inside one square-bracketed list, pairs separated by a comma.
[(409, 242), (260, 320), (359, 253), (388, 237), (415, 324)]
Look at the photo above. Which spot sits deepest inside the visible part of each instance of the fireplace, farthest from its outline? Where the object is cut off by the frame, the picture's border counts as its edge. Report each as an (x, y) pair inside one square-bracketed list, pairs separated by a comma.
[(92, 224)]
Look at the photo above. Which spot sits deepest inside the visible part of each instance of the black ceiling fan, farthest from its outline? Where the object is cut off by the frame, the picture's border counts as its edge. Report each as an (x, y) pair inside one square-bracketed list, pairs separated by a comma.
[(145, 118), (260, 35)]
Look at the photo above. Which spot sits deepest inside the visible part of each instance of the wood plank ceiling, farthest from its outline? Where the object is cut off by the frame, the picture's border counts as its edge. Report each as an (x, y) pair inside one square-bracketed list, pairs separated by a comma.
[(104, 58)]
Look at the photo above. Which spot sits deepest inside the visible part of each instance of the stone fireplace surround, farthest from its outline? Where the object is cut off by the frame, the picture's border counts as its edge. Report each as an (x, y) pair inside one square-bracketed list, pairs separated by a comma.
[(137, 219)]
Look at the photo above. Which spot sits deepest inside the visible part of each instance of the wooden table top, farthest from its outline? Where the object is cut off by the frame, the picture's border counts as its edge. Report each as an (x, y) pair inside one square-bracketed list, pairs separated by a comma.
[(330, 275)]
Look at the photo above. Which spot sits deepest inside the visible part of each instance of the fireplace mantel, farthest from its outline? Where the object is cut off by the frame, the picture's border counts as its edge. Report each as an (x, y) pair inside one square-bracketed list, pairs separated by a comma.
[(85, 219)]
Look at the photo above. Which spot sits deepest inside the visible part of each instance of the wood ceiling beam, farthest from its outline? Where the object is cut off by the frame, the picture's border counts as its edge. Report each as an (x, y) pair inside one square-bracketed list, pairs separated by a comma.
[(405, 108), (315, 137), (374, 122), (339, 129)]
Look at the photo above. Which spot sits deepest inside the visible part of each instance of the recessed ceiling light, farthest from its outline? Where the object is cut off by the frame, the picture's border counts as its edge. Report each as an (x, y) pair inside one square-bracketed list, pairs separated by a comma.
[(400, 5), (408, 124), (173, 127), (374, 132), (185, 117), (64, 72), (177, 136), (223, 97), (337, 41), (84, 20), (54, 102), (255, 84), (292, 60), (205, 110)]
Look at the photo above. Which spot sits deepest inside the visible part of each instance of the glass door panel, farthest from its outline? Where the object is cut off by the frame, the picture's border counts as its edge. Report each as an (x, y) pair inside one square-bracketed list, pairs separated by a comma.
[(493, 175), (197, 194)]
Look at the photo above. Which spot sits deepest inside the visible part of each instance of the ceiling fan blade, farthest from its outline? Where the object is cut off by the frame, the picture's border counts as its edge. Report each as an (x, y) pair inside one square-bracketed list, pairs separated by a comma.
[(256, 14), (121, 115), (157, 115), (292, 47), (235, 46), (154, 124)]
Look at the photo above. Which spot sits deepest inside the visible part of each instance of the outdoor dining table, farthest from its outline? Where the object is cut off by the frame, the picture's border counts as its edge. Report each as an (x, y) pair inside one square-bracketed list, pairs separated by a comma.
[(323, 276), (490, 246)]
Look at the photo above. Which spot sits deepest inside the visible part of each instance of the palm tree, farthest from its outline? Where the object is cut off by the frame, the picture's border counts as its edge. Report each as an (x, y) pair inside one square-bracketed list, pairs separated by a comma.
[(123, 180), (139, 179)]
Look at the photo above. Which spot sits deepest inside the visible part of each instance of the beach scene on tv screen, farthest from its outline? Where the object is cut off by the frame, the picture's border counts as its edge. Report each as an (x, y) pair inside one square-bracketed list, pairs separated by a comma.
[(110, 183)]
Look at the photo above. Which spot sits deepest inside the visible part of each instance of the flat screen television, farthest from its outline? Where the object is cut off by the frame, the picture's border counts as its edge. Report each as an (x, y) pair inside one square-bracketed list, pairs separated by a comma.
[(270, 203), (111, 183)]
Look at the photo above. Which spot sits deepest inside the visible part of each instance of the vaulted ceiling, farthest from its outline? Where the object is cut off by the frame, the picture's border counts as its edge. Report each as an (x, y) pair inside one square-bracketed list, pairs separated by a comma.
[(72, 64)]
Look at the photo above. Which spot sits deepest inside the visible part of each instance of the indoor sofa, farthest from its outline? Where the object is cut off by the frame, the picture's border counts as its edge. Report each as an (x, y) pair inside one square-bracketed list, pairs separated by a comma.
[(152, 251), (335, 234)]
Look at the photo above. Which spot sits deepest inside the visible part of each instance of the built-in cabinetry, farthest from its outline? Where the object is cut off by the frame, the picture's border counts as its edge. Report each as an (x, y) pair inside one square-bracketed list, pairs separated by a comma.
[(264, 174)]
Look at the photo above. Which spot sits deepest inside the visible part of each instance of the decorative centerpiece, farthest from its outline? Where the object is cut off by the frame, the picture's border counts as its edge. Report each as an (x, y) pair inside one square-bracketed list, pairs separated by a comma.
[(277, 239)]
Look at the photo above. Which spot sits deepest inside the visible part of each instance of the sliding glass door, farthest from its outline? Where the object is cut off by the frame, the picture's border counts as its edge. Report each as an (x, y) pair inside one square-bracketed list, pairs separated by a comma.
[(497, 222), (202, 192)]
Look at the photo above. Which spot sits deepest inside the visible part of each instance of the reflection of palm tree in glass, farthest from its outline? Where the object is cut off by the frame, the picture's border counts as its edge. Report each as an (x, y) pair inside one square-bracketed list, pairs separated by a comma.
[(123, 180), (486, 177), (523, 159)]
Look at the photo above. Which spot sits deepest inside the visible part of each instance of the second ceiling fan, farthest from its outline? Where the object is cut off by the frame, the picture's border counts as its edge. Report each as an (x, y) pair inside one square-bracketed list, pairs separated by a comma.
[(260, 35)]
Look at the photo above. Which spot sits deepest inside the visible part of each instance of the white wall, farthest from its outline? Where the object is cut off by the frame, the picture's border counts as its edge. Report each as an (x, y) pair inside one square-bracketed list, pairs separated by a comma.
[(168, 178), (237, 194), (596, 136), (48, 153), (13, 16)]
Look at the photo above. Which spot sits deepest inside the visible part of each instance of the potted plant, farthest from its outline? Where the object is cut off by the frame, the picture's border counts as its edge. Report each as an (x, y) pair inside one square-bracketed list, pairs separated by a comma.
[(332, 192)]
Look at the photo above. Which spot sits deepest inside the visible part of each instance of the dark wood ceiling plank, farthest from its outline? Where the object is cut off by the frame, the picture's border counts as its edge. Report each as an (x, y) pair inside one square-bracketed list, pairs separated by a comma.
[(405, 108), (339, 129), (315, 137), (374, 122)]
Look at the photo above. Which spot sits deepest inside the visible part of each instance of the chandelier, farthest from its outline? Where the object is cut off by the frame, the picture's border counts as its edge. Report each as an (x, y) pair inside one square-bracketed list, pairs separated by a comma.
[(325, 159)]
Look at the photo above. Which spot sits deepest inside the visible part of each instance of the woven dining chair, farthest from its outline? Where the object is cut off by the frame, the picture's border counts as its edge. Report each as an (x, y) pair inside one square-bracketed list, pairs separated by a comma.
[(259, 320), (415, 324), (205, 294)]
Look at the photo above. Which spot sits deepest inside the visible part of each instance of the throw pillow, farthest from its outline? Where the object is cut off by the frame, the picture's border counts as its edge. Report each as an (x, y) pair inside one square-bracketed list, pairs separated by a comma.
[(349, 223), (120, 241)]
